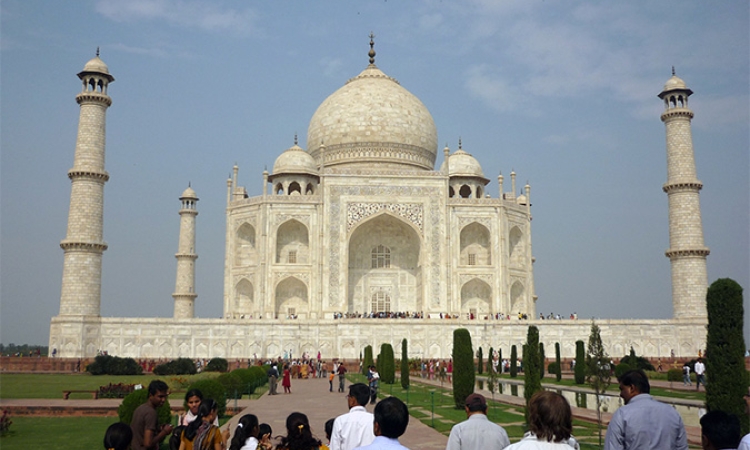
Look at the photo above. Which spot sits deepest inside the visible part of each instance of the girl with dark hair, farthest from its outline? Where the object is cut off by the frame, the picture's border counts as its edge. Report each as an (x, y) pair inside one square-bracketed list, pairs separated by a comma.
[(201, 433), (193, 399), (246, 434), (118, 436), (298, 434), (287, 380)]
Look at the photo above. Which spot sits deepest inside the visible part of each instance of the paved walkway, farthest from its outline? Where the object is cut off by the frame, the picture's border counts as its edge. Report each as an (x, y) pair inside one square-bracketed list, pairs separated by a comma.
[(312, 398)]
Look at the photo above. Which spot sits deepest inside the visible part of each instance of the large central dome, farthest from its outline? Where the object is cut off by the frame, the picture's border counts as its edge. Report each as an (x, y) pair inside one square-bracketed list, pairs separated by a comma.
[(372, 122)]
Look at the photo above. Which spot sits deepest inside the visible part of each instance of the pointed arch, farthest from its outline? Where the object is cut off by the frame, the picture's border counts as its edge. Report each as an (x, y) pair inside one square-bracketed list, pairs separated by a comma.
[(476, 298), (400, 278), (518, 298), (516, 248), (245, 253), (292, 243), (291, 298), (475, 245), (244, 299)]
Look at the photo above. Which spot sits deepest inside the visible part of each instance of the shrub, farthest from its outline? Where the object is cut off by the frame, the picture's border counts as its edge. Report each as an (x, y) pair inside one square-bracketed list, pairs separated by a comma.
[(179, 366), (532, 382), (211, 388), (232, 384), (388, 366), (542, 359), (621, 368), (114, 365), (580, 369), (513, 362), (558, 372), (463, 366), (490, 364), (119, 390), (552, 367), (404, 365), (480, 361), (638, 362), (368, 361), (674, 375), (217, 365), (5, 423), (137, 398), (725, 350)]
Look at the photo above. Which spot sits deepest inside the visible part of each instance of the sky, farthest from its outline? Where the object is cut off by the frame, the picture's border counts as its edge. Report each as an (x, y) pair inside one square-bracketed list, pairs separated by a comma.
[(562, 93)]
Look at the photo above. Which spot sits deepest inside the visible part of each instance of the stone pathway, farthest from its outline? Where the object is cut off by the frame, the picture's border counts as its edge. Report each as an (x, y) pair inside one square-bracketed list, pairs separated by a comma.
[(312, 398)]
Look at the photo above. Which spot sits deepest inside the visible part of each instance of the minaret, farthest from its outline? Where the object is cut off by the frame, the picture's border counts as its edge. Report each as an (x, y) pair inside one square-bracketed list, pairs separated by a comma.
[(184, 287), (687, 252), (84, 242)]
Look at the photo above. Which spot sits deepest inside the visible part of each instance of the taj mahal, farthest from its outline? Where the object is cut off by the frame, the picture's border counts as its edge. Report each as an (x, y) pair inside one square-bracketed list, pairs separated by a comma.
[(359, 239)]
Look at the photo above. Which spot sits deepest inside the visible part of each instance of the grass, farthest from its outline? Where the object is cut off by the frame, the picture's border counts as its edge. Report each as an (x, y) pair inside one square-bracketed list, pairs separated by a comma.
[(60, 433), (31, 385)]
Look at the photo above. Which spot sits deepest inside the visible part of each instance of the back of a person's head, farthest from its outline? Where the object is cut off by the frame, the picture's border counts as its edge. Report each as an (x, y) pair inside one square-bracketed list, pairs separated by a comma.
[(360, 392), (550, 417), (636, 378), (392, 415), (264, 429), (118, 436), (722, 430), (329, 428), (298, 433), (157, 386), (246, 427)]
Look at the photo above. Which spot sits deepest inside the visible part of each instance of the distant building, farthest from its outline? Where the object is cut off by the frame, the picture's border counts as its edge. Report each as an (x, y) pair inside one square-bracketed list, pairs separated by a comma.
[(361, 241)]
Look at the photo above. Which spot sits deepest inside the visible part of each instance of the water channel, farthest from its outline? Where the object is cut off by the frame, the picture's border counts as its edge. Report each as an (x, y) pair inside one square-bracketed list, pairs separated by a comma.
[(690, 414)]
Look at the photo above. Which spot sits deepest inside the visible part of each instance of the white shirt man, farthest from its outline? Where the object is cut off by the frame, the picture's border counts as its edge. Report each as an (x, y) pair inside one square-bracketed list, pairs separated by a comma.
[(355, 428)]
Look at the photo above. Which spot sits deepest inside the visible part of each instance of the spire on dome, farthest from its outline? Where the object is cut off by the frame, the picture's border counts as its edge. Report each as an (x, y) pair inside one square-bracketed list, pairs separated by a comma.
[(295, 138), (459, 144), (371, 54), (673, 73), (97, 51)]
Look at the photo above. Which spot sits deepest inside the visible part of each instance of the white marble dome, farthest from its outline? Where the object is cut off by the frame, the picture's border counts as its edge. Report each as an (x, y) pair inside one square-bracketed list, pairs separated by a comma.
[(295, 160), (95, 64), (462, 164), (189, 193), (373, 122), (675, 83)]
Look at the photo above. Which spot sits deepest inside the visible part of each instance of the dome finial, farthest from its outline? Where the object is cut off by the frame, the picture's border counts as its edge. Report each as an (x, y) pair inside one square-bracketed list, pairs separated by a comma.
[(459, 144), (673, 74), (372, 48), (97, 51), (295, 138)]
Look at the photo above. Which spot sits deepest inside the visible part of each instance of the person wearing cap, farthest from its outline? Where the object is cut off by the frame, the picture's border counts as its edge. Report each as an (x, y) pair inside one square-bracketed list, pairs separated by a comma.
[(477, 432)]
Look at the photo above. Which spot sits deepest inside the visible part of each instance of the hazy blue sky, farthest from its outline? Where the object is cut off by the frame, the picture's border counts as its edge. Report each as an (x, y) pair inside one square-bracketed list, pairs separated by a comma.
[(564, 93)]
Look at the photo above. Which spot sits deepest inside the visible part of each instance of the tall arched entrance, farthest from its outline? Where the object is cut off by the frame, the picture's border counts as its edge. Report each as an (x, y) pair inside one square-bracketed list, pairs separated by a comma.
[(384, 267)]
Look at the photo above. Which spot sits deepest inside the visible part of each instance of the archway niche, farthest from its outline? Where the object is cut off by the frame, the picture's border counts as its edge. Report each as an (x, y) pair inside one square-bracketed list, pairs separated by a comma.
[(292, 299), (475, 245), (292, 243), (476, 299)]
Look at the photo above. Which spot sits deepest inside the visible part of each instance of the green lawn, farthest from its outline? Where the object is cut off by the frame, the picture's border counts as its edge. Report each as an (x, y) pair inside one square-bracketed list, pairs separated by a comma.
[(30, 385), (60, 433)]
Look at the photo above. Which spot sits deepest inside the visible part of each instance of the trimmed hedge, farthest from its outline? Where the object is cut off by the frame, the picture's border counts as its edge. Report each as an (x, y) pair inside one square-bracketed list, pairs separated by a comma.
[(388, 365), (113, 365), (368, 361), (404, 365), (232, 384), (179, 366), (217, 365), (580, 369), (463, 366), (558, 371), (513, 362), (211, 388), (137, 398)]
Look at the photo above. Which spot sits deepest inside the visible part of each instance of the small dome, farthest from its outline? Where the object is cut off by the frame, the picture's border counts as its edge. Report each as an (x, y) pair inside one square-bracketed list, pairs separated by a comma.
[(521, 200), (295, 160), (189, 193), (675, 83), (462, 164), (96, 65)]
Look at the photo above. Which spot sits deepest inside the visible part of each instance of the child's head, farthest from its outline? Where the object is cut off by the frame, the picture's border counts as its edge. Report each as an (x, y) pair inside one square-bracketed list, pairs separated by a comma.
[(329, 428), (118, 436), (265, 429)]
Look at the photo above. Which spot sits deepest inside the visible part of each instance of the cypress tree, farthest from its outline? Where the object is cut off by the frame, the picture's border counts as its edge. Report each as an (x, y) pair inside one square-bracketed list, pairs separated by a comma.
[(725, 350), (367, 362), (387, 368), (513, 361), (598, 370), (558, 374), (404, 365), (463, 366), (500, 359), (542, 359), (490, 361), (532, 382), (580, 369), (480, 361)]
